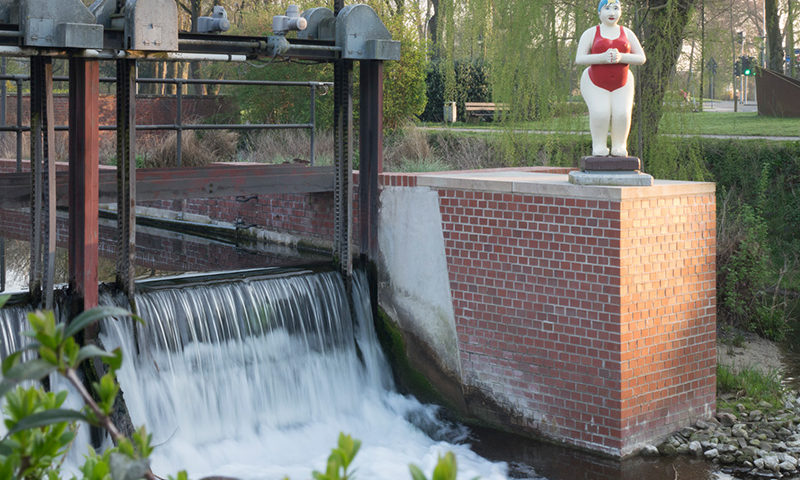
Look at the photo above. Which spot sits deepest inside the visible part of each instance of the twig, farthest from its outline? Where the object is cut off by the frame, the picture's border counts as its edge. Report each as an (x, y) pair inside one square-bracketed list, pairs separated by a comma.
[(104, 420)]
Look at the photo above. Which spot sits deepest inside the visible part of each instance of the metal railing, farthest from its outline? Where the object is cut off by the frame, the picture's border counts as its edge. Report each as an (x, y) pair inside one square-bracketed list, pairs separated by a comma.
[(179, 126)]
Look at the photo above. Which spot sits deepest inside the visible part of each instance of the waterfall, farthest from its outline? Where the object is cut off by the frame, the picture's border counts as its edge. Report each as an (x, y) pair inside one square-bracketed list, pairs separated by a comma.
[(256, 378)]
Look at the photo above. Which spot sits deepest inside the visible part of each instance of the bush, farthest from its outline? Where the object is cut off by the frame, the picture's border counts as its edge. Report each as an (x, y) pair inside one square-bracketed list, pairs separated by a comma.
[(471, 85)]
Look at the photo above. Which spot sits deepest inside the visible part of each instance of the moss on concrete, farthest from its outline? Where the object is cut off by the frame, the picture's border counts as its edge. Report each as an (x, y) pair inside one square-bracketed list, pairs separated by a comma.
[(409, 379)]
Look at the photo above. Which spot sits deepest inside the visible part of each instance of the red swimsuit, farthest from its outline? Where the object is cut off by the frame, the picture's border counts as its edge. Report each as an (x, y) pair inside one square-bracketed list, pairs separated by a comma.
[(609, 76)]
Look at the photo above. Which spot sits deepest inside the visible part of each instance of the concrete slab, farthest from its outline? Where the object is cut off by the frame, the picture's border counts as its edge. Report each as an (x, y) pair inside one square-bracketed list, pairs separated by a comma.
[(621, 178), (551, 184)]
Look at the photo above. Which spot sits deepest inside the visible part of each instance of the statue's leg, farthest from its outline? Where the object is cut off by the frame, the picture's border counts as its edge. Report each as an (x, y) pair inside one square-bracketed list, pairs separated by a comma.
[(598, 100), (621, 111)]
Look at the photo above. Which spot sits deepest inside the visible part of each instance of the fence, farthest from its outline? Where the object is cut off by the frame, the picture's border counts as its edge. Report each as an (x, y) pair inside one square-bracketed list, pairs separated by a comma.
[(179, 126)]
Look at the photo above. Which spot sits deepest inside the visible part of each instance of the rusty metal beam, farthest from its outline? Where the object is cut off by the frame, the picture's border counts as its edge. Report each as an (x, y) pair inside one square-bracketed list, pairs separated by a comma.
[(126, 176), (370, 154), (36, 178), (84, 88), (49, 190), (181, 183), (343, 166)]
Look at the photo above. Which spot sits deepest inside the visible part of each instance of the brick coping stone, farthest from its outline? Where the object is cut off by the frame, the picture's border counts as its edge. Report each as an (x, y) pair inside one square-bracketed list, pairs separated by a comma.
[(525, 182)]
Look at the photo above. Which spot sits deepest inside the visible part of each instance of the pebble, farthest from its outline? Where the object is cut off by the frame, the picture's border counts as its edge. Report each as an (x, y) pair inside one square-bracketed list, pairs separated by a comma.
[(711, 454), (695, 448), (759, 443)]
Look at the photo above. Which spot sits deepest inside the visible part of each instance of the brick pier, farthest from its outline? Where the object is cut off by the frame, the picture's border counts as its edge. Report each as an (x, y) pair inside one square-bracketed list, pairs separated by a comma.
[(587, 313)]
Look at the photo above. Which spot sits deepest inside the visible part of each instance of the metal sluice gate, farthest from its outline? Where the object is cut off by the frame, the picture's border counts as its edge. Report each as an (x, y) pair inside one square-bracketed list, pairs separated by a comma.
[(131, 31)]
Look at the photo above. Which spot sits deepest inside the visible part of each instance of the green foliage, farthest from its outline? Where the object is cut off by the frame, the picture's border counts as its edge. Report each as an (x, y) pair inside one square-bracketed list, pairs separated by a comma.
[(404, 91), (445, 469), (748, 386), (340, 459), (39, 430), (30, 452), (471, 84)]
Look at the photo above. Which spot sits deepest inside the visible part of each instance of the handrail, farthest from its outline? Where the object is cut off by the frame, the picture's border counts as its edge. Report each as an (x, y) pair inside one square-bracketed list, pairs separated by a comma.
[(179, 126)]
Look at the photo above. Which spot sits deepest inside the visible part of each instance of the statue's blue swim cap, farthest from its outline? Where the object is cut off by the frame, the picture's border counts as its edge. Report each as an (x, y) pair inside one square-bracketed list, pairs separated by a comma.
[(603, 3)]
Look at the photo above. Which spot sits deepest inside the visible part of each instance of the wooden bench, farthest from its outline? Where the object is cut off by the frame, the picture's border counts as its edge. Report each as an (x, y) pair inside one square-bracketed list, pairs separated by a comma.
[(483, 109)]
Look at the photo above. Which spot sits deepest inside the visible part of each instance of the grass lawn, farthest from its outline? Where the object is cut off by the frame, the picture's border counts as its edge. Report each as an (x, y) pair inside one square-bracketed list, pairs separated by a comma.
[(704, 123)]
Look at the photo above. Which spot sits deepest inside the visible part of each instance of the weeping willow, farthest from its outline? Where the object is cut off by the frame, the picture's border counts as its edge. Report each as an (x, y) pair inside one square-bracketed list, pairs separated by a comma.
[(529, 48)]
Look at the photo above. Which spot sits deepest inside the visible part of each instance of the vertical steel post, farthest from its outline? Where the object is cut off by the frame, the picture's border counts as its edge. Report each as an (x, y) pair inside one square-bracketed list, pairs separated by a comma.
[(313, 111), (370, 154), (126, 175), (2, 264), (84, 89), (179, 121), (19, 125), (343, 171), (36, 108), (49, 188)]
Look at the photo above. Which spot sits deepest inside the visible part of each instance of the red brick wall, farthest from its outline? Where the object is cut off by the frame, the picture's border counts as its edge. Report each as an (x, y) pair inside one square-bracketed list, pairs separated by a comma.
[(668, 289), (593, 321)]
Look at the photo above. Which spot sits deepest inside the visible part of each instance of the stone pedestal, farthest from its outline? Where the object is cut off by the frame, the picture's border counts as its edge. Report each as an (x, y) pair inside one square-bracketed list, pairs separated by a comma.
[(612, 171)]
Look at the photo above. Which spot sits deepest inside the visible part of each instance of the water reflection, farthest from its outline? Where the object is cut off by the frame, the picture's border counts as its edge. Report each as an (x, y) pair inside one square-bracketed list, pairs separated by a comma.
[(158, 253), (559, 463)]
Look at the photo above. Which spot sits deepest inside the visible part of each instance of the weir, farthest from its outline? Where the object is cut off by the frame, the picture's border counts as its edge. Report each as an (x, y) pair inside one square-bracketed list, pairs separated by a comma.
[(256, 378)]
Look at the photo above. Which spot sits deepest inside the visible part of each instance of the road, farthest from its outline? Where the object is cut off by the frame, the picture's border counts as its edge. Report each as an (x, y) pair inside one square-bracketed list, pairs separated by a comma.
[(727, 106)]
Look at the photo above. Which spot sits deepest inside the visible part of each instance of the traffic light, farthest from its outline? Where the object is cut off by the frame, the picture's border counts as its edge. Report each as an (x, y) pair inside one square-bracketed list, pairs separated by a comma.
[(747, 66), (737, 68)]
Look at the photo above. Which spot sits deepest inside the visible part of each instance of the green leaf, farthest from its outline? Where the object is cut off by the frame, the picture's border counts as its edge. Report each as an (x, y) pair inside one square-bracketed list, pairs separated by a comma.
[(95, 314), (6, 448), (445, 468), (91, 351), (48, 355), (10, 361), (31, 370), (416, 473), (47, 417), (115, 360)]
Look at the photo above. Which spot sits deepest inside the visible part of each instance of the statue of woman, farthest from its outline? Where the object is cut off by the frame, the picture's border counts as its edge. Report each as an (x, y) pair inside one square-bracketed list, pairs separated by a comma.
[(607, 85)]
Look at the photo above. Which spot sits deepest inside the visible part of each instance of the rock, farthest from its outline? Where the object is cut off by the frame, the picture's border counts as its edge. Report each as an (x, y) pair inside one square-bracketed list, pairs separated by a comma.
[(755, 416), (649, 451), (739, 431), (765, 405), (667, 449), (771, 462), (711, 454), (787, 458), (755, 442), (727, 458), (695, 448), (784, 432), (740, 407), (787, 467), (702, 424), (687, 432), (726, 419), (759, 463)]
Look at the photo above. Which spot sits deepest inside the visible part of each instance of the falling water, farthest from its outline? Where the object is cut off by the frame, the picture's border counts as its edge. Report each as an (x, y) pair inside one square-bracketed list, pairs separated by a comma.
[(255, 380)]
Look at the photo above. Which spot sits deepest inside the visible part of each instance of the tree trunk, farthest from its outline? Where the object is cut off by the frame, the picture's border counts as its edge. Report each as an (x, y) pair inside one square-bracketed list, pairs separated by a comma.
[(433, 27), (774, 50), (789, 30), (662, 26)]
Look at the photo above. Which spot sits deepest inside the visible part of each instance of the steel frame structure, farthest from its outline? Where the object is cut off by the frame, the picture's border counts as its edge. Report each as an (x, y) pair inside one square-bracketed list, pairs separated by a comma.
[(84, 179)]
